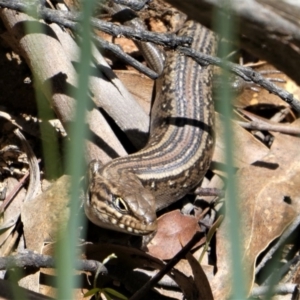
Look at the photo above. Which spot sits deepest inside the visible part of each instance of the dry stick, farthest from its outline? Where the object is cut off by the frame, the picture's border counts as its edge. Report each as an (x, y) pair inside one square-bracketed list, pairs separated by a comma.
[(133, 4), (274, 120), (280, 289), (268, 32), (165, 39), (168, 40), (58, 71), (35, 260), (34, 178), (245, 73), (118, 52), (280, 241), (9, 198), (71, 23), (287, 267), (104, 45), (142, 292), (55, 17), (200, 191), (151, 53), (281, 115), (269, 127)]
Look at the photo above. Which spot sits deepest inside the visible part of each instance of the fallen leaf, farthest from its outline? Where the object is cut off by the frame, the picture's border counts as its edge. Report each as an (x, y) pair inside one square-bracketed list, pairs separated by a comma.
[(200, 278), (47, 212), (139, 85), (174, 231), (247, 148), (11, 213), (41, 218), (262, 191)]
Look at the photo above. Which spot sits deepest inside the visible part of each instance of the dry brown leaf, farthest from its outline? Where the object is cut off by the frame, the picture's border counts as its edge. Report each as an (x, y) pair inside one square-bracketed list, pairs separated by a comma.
[(139, 85), (47, 289), (130, 260), (264, 188), (56, 67), (174, 231), (248, 148), (11, 213), (200, 278), (46, 212)]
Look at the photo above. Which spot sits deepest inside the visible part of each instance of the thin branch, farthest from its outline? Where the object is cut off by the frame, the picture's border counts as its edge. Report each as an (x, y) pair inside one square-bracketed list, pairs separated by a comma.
[(287, 267), (270, 127), (16, 189), (280, 289), (245, 73), (133, 4), (168, 40), (118, 52), (165, 39), (200, 191), (280, 241), (264, 29), (32, 259), (141, 293)]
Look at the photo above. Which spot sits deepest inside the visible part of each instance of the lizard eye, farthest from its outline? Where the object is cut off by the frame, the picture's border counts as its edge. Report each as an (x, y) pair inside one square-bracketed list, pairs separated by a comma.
[(120, 204)]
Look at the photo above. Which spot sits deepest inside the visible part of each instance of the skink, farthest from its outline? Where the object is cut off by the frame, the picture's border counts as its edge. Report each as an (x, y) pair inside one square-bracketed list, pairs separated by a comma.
[(125, 194), (152, 55)]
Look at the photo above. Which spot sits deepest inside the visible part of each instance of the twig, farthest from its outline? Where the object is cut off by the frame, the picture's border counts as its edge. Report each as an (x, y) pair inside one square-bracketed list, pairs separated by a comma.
[(34, 178), (118, 52), (133, 4), (209, 192), (280, 289), (35, 260), (165, 39), (269, 127), (53, 16), (245, 73), (280, 241), (287, 267), (9, 198), (151, 53), (168, 40), (141, 293)]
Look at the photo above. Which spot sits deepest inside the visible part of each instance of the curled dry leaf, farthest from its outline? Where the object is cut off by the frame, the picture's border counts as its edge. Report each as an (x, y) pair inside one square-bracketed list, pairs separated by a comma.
[(248, 148), (56, 67), (139, 86), (11, 213), (46, 212), (174, 231), (269, 200), (200, 278)]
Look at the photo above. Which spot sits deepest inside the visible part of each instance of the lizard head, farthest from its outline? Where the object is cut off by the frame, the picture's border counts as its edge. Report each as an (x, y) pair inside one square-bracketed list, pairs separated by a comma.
[(117, 200)]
